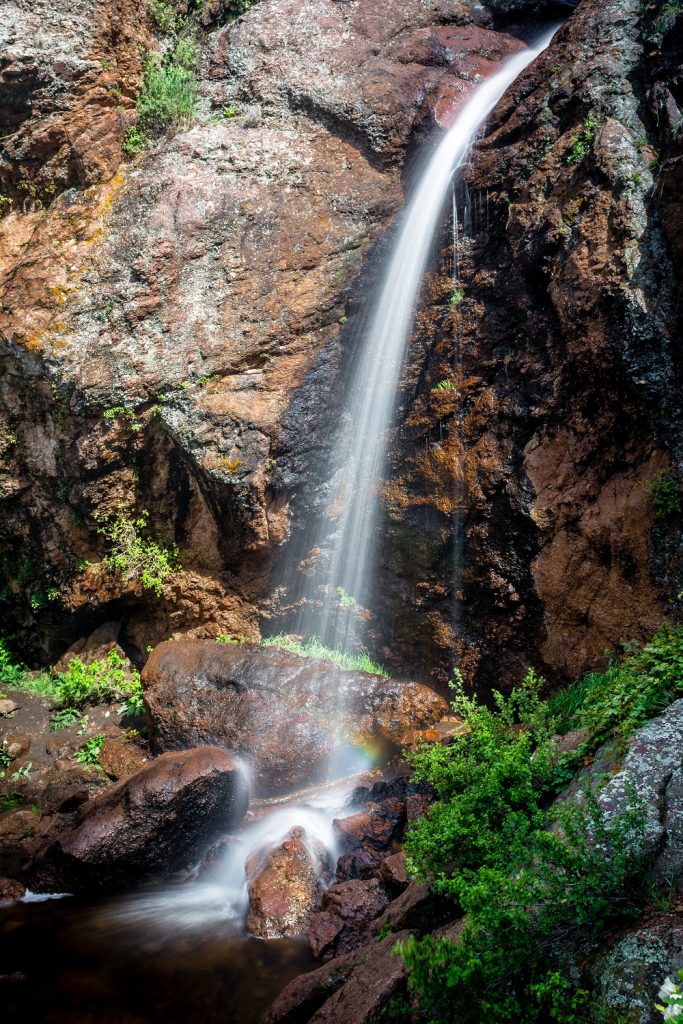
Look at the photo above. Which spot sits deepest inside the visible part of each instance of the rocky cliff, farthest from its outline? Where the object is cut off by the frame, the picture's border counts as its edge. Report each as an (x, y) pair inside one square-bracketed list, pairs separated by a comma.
[(175, 327)]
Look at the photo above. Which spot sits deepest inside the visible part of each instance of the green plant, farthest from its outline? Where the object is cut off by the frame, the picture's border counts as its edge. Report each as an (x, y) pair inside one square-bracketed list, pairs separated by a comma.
[(443, 385), (163, 15), (228, 113), (102, 681), (531, 886), (457, 296), (223, 638), (345, 599), (664, 493), (35, 809), (63, 718), (343, 320), (386, 929), (89, 754), (121, 412), (23, 773), (12, 673), (668, 16), (582, 140), (615, 702), (10, 801), (236, 7), (137, 554), (135, 141), (313, 648)]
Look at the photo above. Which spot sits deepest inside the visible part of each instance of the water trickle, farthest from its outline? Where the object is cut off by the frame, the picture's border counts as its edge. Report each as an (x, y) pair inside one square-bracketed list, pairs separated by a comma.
[(347, 569)]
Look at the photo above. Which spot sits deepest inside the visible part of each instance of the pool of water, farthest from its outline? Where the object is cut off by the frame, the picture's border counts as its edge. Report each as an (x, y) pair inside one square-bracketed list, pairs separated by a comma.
[(174, 955)]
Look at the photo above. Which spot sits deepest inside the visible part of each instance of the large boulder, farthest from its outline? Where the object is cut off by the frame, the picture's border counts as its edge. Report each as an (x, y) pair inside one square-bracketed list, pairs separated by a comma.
[(348, 909), (147, 827), (353, 989), (285, 885), (278, 710)]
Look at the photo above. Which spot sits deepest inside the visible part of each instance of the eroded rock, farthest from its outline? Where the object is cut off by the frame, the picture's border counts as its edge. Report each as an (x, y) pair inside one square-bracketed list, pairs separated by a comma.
[(278, 710), (148, 826), (285, 886)]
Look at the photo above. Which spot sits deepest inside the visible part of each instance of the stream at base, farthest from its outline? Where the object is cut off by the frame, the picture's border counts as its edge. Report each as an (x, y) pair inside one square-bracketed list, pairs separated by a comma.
[(74, 962), (178, 953)]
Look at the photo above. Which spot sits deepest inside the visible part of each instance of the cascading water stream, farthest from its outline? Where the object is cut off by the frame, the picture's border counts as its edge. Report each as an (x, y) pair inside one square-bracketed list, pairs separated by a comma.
[(373, 388)]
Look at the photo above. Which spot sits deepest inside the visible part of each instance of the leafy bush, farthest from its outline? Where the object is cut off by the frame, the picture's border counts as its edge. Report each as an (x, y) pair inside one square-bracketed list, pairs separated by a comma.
[(313, 648), (168, 94), (615, 702), (236, 7), (16, 674), (665, 495), (138, 555), (100, 682), (582, 141), (89, 753), (63, 718), (531, 887), (443, 385), (163, 15)]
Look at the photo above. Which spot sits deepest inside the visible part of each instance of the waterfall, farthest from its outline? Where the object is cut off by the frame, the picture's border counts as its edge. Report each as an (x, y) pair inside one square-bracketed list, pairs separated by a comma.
[(372, 392)]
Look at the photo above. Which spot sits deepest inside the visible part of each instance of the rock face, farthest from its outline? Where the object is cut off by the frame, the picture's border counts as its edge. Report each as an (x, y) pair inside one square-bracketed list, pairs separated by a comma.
[(276, 709), (285, 886), (203, 287), (566, 387), (146, 827)]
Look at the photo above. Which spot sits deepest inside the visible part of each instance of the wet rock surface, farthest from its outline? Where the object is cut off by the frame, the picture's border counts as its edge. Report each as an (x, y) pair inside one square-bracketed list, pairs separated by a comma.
[(352, 989), (205, 287), (152, 824), (276, 709), (285, 886)]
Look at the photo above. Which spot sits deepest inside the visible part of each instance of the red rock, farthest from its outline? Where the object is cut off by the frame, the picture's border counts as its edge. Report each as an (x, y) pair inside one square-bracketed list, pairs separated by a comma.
[(352, 989), (348, 909), (285, 886), (147, 826), (121, 758), (273, 707), (11, 891), (393, 871)]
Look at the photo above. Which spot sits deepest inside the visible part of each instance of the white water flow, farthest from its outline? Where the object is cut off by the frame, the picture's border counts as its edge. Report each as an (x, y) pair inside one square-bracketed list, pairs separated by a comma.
[(375, 381)]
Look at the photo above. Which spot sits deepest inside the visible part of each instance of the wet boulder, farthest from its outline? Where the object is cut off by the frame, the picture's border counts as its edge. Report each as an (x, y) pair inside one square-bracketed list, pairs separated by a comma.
[(283, 713), (146, 827), (348, 910), (285, 886), (353, 989)]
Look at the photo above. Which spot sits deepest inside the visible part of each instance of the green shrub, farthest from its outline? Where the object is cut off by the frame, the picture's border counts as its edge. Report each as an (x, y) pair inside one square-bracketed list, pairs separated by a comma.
[(457, 296), (443, 385), (615, 702), (100, 682), (164, 15), (531, 887), (15, 674), (63, 718), (168, 94), (236, 7), (89, 754), (665, 495), (138, 555), (582, 141)]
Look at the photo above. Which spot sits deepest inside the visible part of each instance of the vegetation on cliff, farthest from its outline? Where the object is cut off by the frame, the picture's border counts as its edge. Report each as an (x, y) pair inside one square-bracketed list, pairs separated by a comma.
[(538, 881)]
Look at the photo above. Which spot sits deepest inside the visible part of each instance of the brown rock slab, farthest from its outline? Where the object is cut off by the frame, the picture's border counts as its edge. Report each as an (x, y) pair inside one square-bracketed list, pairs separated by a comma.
[(273, 707), (11, 891), (352, 989), (120, 757), (7, 706), (148, 826), (285, 886), (348, 909)]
